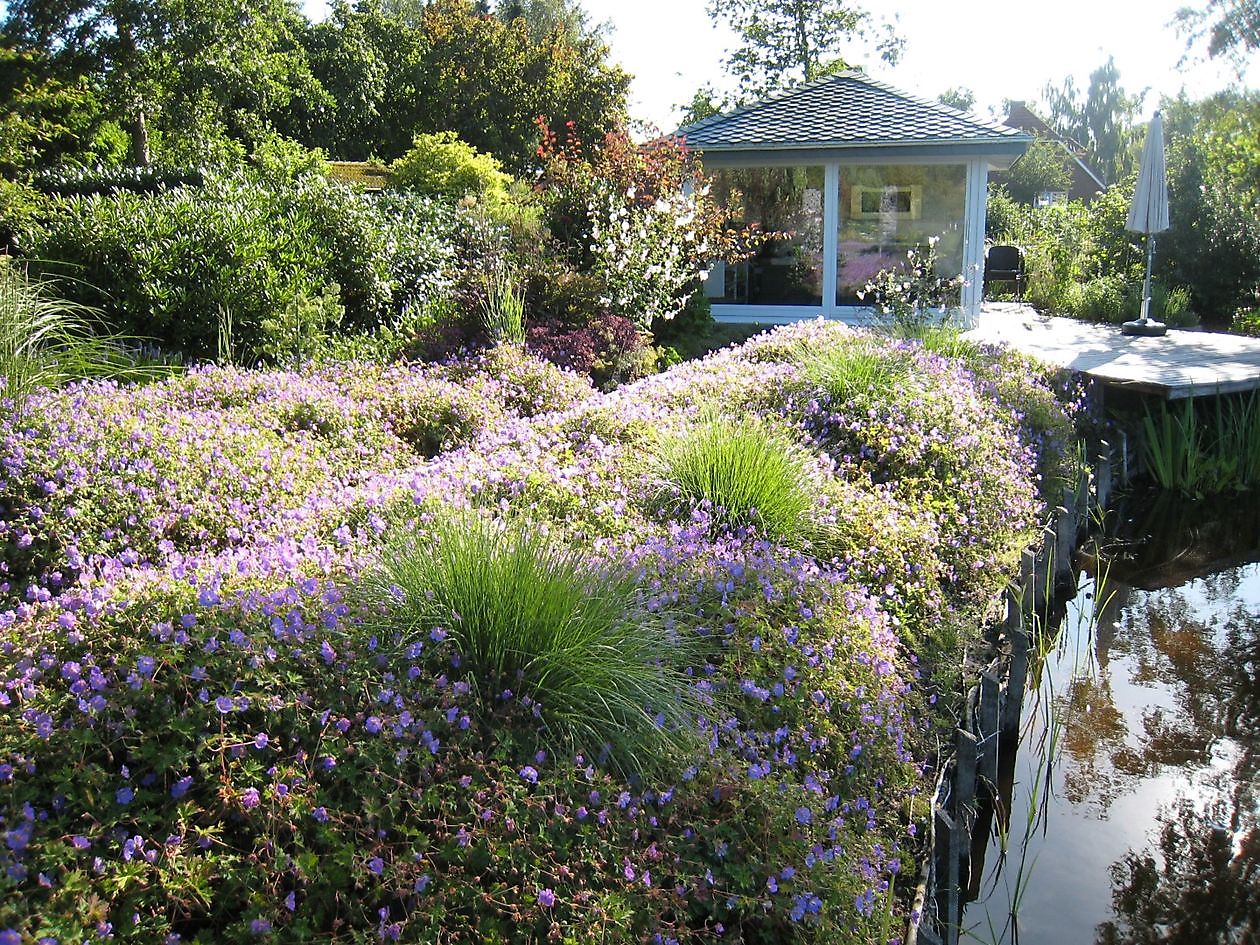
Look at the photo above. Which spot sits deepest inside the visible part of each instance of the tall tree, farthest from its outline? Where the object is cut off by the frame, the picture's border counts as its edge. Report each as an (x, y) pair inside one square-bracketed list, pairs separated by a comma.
[(444, 66), (1102, 120), (42, 119), (185, 68), (1042, 168), (542, 17), (1213, 245), (784, 42), (959, 97), (1231, 28), (371, 63)]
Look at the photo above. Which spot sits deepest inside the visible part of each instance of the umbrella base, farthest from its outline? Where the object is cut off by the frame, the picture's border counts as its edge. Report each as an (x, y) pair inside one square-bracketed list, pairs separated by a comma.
[(1146, 327)]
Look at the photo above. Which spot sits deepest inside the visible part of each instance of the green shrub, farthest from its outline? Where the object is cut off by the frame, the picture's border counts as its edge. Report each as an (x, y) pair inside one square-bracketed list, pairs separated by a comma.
[(1102, 300), (743, 472), (1246, 321), (1116, 299), (694, 321), (166, 265), (441, 165), (1213, 244), (538, 618), (19, 204), (76, 181)]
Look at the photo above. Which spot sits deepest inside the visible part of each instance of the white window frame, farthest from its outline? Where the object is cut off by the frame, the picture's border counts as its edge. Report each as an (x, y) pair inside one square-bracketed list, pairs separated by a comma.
[(976, 173)]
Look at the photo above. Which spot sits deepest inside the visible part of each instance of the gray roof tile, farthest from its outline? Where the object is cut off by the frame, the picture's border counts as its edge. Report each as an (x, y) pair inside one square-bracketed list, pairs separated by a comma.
[(844, 110)]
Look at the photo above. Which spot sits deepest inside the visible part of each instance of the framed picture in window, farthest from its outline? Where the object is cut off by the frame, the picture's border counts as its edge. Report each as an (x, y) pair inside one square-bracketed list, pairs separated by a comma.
[(898, 201)]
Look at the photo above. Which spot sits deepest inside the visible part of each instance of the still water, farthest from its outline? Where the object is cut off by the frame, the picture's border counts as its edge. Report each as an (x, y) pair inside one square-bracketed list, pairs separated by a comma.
[(1134, 799)]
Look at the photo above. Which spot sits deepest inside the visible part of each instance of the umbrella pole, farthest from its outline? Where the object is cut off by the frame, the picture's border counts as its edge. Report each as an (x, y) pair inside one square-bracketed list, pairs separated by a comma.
[(1144, 324), (1146, 285)]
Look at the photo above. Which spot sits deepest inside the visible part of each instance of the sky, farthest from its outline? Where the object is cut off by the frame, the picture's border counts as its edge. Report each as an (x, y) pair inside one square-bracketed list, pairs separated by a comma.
[(999, 49)]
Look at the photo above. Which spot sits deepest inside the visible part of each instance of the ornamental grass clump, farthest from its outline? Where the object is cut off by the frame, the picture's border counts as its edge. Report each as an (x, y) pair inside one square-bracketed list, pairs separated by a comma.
[(503, 308), (46, 341), (745, 473), (539, 625), (861, 371)]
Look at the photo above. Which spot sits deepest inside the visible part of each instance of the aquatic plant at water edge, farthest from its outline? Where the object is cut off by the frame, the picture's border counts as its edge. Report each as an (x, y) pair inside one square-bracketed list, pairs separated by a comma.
[(1201, 450), (531, 616)]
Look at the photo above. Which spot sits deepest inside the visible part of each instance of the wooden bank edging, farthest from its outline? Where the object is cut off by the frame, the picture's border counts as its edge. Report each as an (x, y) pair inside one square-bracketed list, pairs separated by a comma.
[(989, 733)]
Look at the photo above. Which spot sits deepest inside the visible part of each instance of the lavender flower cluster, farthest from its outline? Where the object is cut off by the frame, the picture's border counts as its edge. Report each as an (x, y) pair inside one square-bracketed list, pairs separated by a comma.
[(201, 738)]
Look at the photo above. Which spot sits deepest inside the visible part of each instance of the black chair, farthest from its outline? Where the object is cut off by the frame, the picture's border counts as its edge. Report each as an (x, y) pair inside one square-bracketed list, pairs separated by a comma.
[(1005, 264)]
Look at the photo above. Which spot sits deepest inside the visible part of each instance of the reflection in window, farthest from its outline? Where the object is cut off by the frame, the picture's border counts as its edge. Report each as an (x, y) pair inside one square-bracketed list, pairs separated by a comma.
[(786, 271), (889, 209)]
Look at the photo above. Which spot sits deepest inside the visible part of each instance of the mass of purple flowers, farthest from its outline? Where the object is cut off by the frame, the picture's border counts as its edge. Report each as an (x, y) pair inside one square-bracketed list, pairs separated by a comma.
[(204, 738)]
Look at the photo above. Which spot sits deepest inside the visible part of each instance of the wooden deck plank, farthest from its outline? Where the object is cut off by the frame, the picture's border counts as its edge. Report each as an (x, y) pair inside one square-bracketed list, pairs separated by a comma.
[(1176, 365)]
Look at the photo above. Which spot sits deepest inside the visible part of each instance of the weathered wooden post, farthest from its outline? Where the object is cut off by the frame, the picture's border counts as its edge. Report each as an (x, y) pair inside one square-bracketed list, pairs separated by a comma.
[(1017, 680), (1028, 578), (990, 697), (1103, 476), (1064, 545), (948, 899)]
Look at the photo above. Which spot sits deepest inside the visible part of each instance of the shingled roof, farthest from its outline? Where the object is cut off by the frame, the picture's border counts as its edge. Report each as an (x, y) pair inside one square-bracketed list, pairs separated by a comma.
[(847, 110)]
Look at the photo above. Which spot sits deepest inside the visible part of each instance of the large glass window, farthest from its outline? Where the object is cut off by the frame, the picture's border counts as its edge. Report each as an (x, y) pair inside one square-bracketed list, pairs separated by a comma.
[(886, 210), (786, 200)]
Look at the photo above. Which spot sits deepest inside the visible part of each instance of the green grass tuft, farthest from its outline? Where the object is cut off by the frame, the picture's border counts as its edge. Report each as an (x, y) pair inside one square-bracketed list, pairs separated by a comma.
[(861, 370), (503, 307), (46, 341), (746, 472), (540, 618)]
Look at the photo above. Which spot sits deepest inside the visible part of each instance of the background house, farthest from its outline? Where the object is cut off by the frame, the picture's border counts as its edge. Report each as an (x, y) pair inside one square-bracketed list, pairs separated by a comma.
[(857, 173), (1085, 182)]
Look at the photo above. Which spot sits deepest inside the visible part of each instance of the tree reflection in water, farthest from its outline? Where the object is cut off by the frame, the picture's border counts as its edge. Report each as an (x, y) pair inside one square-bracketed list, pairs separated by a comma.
[(1153, 693), (1199, 888), (1199, 881)]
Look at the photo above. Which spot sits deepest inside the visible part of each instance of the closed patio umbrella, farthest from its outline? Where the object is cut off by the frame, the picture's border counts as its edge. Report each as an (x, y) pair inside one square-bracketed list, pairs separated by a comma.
[(1149, 215)]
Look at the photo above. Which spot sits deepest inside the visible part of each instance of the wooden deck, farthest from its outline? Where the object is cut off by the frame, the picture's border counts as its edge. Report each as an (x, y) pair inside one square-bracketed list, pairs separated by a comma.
[(1179, 364)]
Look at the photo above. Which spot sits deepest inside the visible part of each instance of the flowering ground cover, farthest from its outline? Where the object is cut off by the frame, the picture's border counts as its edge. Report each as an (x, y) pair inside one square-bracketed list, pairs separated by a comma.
[(290, 714), (103, 476)]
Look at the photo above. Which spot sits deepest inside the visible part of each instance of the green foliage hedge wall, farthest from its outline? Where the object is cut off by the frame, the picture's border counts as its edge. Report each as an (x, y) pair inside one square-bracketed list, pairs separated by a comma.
[(257, 252)]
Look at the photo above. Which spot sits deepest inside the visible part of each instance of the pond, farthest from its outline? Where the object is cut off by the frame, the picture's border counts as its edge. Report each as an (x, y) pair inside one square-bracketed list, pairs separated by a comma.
[(1134, 798)]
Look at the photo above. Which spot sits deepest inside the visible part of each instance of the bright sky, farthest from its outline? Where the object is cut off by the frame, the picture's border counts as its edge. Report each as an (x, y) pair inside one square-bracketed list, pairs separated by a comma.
[(997, 48)]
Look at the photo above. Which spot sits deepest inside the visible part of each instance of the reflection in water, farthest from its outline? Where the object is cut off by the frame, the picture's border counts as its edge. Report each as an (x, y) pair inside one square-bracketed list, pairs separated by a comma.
[(1198, 886), (1137, 787)]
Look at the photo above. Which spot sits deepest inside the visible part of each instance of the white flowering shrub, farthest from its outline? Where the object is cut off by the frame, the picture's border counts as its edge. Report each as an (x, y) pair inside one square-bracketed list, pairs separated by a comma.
[(646, 253), (911, 295)]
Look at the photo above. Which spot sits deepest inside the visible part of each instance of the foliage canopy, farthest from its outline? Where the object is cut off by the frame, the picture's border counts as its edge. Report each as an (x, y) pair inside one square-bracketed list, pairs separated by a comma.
[(783, 42)]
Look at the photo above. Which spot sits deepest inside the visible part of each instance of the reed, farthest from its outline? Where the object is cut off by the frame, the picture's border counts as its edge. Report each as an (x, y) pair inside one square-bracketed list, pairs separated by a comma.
[(1203, 450)]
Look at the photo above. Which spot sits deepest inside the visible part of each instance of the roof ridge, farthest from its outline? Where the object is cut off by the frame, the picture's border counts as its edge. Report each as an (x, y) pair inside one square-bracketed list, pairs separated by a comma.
[(971, 116)]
